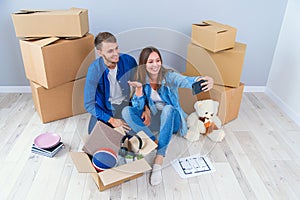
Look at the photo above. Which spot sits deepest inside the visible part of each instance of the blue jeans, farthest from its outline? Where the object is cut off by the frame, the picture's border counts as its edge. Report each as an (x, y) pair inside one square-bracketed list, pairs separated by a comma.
[(169, 124)]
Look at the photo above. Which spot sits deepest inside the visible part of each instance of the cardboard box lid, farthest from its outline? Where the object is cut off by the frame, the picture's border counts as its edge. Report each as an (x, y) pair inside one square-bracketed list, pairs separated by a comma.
[(73, 10), (124, 171), (28, 11), (41, 42), (214, 26)]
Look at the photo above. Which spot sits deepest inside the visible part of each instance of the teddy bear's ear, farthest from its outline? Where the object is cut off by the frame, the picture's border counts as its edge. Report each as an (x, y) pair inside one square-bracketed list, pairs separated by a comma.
[(198, 105)]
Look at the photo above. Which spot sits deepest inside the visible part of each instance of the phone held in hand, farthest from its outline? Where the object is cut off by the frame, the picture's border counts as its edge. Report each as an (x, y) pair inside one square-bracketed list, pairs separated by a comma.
[(196, 87)]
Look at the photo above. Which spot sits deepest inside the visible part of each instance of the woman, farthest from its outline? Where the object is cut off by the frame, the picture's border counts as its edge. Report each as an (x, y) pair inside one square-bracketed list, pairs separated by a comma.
[(157, 87)]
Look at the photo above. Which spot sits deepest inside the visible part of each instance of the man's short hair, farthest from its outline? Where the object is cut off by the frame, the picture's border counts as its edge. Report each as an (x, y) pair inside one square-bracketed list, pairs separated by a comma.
[(104, 37)]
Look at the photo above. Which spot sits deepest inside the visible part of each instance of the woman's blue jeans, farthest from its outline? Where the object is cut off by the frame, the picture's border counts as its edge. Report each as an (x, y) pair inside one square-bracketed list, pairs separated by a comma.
[(169, 124)]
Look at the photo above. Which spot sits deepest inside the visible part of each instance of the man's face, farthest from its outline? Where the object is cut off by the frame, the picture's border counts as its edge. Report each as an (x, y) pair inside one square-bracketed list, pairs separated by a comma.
[(110, 53)]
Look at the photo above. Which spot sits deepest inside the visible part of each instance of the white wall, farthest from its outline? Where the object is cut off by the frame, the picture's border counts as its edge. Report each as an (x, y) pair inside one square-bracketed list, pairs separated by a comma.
[(258, 24), (283, 83)]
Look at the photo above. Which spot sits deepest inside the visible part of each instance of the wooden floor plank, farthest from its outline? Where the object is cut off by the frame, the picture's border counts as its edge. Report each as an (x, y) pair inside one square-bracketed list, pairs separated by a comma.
[(227, 186), (246, 174)]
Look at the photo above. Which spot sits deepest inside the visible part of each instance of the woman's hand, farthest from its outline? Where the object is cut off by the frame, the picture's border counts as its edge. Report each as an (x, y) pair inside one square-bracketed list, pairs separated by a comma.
[(208, 84), (135, 84), (138, 87), (146, 116)]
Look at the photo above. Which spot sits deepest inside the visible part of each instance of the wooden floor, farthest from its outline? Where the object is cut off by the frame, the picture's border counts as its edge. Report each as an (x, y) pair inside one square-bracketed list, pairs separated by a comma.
[(259, 158)]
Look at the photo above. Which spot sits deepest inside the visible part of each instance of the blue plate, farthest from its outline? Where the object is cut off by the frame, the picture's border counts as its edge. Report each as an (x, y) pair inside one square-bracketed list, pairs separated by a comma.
[(104, 159)]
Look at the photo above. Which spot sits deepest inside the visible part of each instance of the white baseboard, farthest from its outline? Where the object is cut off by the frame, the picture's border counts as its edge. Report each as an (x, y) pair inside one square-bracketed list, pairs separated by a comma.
[(283, 106), (15, 89), (254, 88)]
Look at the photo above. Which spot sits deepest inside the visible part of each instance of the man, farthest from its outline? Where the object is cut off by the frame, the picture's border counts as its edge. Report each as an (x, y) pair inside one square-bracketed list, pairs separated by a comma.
[(106, 89)]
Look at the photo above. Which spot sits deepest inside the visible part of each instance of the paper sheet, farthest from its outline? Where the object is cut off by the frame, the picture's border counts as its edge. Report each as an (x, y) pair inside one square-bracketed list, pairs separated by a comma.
[(194, 165)]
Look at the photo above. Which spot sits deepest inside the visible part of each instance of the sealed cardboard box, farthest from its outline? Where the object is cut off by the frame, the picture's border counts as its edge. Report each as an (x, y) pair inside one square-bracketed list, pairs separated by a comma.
[(48, 23), (213, 36), (103, 136), (225, 67), (60, 102), (229, 100), (53, 61)]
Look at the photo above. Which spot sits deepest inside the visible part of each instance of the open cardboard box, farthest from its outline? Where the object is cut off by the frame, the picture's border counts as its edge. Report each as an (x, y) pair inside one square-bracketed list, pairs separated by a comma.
[(53, 61), (213, 36), (229, 100), (47, 23), (103, 136)]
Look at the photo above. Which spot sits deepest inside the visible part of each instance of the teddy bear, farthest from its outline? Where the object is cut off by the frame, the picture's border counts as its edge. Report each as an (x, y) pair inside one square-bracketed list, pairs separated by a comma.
[(205, 121)]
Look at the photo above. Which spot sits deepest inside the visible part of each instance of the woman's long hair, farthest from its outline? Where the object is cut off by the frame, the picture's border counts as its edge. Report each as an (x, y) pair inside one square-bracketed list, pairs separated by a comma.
[(141, 70)]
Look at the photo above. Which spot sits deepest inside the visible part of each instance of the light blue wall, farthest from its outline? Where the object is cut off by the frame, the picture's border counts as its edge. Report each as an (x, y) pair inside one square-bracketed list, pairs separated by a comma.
[(283, 82), (168, 25)]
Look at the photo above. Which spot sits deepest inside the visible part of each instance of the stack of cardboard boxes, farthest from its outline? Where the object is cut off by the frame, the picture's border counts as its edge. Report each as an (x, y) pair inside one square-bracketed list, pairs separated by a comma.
[(214, 52), (57, 51)]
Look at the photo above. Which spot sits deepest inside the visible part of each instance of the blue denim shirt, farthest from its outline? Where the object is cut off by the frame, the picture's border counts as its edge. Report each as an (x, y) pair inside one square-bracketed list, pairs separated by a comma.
[(168, 93), (97, 87)]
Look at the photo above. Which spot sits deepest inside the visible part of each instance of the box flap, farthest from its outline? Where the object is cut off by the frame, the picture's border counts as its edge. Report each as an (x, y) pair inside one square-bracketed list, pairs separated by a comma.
[(213, 26), (82, 162), (148, 144), (77, 10), (29, 11), (102, 136), (204, 23), (54, 12), (35, 85), (124, 171), (216, 27), (46, 41)]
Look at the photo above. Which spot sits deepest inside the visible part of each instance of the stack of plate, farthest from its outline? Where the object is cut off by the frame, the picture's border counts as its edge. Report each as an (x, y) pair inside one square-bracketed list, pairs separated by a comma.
[(47, 144)]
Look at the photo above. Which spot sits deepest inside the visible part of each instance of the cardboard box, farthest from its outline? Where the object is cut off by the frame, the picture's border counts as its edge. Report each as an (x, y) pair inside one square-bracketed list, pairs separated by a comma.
[(52, 61), (225, 67), (103, 136), (47, 23), (229, 100), (213, 36), (60, 102)]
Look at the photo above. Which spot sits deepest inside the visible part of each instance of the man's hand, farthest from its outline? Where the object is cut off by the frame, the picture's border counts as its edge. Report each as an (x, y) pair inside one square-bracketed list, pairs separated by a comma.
[(119, 122), (208, 84)]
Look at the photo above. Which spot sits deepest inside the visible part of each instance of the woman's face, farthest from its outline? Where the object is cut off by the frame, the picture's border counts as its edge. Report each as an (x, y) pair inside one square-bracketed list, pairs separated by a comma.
[(153, 64)]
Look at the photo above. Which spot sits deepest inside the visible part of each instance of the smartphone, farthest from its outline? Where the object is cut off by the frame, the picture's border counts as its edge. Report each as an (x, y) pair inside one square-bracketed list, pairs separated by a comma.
[(196, 87)]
